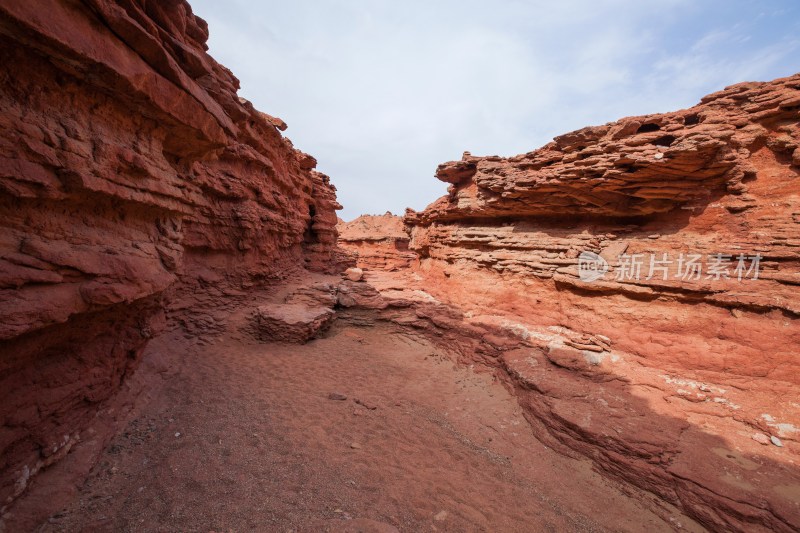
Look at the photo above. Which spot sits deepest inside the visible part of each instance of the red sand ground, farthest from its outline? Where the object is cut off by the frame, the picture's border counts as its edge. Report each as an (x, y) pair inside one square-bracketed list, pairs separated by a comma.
[(242, 436)]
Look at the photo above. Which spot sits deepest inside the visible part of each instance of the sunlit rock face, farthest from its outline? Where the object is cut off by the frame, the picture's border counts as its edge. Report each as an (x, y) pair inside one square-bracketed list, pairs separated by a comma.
[(378, 241), (647, 195), (129, 168), (651, 269)]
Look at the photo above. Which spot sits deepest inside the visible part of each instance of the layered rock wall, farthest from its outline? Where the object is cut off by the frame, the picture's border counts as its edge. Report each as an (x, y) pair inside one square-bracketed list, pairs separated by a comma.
[(719, 178), (664, 359), (129, 168)]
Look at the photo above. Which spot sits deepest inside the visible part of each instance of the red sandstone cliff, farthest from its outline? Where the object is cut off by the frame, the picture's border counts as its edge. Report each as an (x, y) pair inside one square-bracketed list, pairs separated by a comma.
[(127, 164), (721, 177), (684, 386), (134, 184)]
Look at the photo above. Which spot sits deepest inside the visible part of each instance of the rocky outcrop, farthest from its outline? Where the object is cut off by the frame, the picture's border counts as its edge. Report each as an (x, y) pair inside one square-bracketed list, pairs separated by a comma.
[(380, 242), (649, 270), (726, 184), (129, 170)]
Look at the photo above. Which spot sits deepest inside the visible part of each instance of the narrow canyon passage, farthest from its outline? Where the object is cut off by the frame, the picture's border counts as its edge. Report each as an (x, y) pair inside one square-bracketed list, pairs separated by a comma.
[(243, 436), (598, 334)]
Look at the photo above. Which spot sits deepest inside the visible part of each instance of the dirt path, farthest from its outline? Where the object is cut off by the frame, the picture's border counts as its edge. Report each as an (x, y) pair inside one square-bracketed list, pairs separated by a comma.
[(244, 437)]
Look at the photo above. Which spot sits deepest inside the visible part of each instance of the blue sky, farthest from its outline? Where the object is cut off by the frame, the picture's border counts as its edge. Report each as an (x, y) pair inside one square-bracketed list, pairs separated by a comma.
[(381, 92)]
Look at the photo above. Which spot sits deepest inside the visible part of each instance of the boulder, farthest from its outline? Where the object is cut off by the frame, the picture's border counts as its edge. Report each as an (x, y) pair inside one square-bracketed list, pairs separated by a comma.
[(292, 323), (354, 274)]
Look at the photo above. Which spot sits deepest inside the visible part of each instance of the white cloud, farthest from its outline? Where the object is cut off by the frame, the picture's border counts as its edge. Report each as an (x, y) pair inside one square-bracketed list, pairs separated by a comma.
[(381, 92)]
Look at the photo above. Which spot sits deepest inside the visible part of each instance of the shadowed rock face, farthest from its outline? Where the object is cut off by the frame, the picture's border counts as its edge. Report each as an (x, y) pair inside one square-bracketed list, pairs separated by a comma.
[(128, 167)]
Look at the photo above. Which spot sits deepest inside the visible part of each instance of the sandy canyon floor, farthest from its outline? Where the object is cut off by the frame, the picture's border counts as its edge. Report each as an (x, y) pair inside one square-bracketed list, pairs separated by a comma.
[(237, 435)]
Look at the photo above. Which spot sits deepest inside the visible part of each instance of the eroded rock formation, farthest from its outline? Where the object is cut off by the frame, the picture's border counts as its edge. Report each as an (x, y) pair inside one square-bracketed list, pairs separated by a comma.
[(129, 168), (138, 192), (379, 241), (682, 382)]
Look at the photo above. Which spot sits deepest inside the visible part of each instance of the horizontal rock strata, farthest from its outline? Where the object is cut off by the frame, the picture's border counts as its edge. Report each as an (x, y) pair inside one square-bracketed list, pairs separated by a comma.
[(673, 375), (379, 242), (129, 170)]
